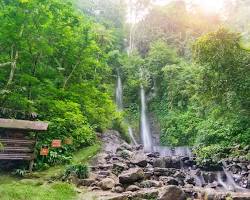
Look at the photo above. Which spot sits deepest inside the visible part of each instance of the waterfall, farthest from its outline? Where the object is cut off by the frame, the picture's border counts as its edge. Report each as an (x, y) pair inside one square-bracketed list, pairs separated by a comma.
[(145, 131), (130, 131), (221, 181), (232, 185), (118, 93), (119, 103)]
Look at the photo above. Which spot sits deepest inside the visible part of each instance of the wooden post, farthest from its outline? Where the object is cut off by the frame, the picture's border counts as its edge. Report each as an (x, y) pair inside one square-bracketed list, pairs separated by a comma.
[(31, 165)]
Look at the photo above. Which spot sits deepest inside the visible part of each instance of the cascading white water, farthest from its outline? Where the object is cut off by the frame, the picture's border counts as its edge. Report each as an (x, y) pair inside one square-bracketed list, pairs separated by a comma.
[(182, 151), (118, 93), (199, 179), (119, 103), (232, 185), (145, 130), (130, 131), (163, 151), (221, 181)]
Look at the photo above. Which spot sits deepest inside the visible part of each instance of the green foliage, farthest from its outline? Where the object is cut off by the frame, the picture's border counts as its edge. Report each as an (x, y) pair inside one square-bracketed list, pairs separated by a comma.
[(121, 126), (204, 103), (61, 68), (66, 121), (80, 170), (179, 128), (20, 172)]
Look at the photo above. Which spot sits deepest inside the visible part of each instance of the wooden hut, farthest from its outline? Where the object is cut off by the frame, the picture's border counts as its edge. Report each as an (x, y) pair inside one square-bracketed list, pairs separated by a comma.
[(18, 139)]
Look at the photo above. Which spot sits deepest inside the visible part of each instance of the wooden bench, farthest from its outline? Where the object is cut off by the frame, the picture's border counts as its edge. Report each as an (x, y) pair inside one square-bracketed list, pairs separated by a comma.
[(17, 143)]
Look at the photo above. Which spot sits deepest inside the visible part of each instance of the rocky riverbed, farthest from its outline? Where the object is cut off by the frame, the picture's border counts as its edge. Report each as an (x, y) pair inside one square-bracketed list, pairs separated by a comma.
[(122, 172)]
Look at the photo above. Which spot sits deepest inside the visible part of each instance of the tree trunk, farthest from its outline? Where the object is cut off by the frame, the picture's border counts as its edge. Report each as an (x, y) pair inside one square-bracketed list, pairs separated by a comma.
[(13, 66)]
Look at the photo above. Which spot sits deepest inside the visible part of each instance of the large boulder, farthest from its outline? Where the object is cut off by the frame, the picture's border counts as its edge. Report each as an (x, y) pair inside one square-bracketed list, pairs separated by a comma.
[(159, 162), (172, 193), (176, 162), (150, 184), (126, 146), (132, 175), (139, 159), (164, 171), (125, 154), (132, 188), (118, 189), (87, 182), (145, 194), (167, 180), (118, 168), (107, 184), (190, 180)]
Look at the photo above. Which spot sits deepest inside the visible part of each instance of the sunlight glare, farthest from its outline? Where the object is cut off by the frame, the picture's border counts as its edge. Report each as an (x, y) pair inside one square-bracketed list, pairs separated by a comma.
[(210, 6)]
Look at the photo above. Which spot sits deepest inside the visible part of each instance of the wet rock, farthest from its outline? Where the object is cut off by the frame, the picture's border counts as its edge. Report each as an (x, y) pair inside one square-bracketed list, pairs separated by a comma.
[(167, 180), (168, 162), (176, 163), (145, 194), (132, 188), (248, 182), (213, 185), (139, 160), (159, 162), (189, 186), (115, 158), (125, 154), (118, 168), (235, 168), (73, 178), (107, 184), (172, 193), (153, 155), (179, 175), (118, 189), (132, 175), (95, 188), (104, 173), (189, 163), (126, 146), (164, 171), (209, 176), (150, 184), (211, 194), (138, 147), (104, 167), (100, 177), (190, 180), (86, 182)]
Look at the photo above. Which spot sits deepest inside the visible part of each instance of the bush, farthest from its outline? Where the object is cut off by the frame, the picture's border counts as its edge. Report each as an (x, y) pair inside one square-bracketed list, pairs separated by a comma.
[(66, 121), (80, 170)]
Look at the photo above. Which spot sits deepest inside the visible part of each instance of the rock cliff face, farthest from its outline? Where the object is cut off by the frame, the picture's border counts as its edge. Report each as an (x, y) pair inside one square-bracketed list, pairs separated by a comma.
[(124, 172)]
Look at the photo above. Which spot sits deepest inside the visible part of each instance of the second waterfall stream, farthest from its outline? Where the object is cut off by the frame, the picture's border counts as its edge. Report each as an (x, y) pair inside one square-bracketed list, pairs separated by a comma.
[(145, 129)]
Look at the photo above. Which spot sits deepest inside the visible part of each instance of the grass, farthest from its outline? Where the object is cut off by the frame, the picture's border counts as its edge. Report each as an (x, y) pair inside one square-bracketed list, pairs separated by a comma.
[(12, 188), (34, 191)]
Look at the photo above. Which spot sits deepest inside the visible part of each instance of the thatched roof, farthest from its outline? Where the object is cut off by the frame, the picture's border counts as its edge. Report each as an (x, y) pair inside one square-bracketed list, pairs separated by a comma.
[(23, 124)]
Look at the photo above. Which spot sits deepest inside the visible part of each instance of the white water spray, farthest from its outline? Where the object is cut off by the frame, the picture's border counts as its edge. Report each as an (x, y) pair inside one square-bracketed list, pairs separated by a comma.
[(118, 93), (130, 131), (119, 103), (145, 131)]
